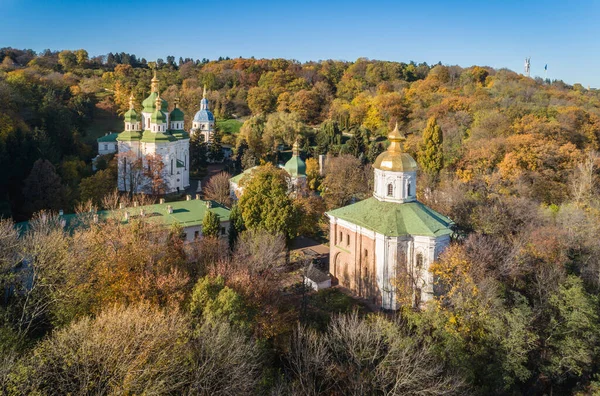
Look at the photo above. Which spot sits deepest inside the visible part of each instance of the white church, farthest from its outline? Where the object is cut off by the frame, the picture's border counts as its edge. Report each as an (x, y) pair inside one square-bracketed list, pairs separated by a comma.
[(157, 132)]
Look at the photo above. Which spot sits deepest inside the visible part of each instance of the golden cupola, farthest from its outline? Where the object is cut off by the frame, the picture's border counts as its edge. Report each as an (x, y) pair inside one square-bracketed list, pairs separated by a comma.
[(394, 159)]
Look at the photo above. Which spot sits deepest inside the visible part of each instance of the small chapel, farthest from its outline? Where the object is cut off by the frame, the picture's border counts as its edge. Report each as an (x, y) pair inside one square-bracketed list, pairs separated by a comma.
[(153, 131), (384, 245)]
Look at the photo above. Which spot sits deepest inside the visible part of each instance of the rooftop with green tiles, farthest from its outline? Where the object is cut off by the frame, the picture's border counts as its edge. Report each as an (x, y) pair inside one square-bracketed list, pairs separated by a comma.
[(187, 213)]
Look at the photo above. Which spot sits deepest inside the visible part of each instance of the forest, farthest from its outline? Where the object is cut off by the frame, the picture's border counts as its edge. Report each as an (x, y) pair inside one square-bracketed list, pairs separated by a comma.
[(114, 309)]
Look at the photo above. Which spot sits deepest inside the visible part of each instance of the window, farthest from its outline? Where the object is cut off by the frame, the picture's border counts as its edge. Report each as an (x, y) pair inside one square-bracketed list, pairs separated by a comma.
[(106, 147), (341, 237), (366, 253), (419, 264), (390, 190), (196, 234), (171, 165), (408, 189), (222, 230), (348, 239), (148, 123)]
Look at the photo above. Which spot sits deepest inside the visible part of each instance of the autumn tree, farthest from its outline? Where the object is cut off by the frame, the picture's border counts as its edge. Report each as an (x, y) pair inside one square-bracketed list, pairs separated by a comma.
[(345, 179), (155, 173), (431, 152), (217, 189)]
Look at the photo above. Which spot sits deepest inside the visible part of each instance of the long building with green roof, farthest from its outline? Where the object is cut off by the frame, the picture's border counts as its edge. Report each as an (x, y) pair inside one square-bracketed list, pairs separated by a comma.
[(381, 248), (187, 214)]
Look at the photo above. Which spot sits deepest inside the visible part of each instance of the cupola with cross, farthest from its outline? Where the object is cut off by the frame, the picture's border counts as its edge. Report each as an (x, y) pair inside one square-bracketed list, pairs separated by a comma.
[(395, 172)]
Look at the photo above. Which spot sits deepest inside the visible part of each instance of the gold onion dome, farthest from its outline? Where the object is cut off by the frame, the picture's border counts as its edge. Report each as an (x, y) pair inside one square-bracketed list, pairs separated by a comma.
[(393, 159)]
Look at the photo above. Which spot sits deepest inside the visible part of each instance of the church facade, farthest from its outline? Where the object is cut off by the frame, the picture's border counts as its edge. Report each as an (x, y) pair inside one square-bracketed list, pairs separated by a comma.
[(382, 247), (153, 133)]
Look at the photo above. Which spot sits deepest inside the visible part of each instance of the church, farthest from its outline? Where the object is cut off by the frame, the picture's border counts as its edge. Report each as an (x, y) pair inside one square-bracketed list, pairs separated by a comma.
[(384, 245), (154, 131)]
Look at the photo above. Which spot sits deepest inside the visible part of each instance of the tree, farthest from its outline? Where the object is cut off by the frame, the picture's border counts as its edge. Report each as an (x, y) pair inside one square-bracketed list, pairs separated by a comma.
[(313, 175), (431, 153), (217, 189), (356, 145), (43, 188), (211, 225), (261, 100), (215, 149), (236, 225), (198, 153), (67, 59), (345, 179), (155, 173), (265, 203)]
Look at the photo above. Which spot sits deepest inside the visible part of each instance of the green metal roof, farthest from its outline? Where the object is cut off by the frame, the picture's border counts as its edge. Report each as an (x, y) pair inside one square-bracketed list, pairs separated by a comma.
[(130, 116), (129, 135), (111, 137), (180, 135), (158, 117), (177, 114), (185, 213), (148, 103), (295, 166), (236, 179), (395, 219), (157, 137)]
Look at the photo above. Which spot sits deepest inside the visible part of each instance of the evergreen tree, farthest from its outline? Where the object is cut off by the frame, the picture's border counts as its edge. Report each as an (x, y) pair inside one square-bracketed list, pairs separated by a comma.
[(431, 153), (236, 225), (197, 152), (266, 204), (43, 188), (211, 225), (215, 149), (356, 145)]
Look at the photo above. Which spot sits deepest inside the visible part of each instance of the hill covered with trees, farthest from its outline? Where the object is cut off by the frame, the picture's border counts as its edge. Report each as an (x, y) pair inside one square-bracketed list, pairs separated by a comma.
[(511, 159)]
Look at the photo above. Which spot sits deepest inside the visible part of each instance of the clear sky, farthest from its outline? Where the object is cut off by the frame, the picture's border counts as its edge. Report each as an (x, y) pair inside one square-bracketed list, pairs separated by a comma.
[(563, 34)]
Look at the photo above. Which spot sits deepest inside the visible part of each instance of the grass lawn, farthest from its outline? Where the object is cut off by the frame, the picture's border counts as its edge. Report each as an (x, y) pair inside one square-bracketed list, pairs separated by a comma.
[(229, 127)]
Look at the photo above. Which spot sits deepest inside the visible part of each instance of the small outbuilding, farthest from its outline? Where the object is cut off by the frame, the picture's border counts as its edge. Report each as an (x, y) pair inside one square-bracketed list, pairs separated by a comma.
[(316, 279)]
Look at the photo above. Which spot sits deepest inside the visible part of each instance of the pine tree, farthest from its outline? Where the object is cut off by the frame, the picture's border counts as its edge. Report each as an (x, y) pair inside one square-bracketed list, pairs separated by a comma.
[(431, 153), (197, 152), (356, 145), (211, 225), (236, 225)]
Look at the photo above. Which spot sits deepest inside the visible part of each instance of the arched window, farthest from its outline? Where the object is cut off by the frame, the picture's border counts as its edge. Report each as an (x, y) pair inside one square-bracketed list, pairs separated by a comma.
[(171, 165), (148, 123), (408, 189), (390, 190), (419, 263)]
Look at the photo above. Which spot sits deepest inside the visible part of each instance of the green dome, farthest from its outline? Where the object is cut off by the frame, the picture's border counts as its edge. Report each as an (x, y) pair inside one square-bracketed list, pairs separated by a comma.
[(158, 117), (295, 166), (131, 116), (177, 114), (149, 105)]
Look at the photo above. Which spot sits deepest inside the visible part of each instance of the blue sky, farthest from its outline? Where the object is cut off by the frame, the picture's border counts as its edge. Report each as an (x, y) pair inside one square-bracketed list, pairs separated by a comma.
[(563, 34)]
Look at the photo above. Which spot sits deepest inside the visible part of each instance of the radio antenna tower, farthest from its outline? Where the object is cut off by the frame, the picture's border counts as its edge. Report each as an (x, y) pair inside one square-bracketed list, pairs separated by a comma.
[(527, 66)]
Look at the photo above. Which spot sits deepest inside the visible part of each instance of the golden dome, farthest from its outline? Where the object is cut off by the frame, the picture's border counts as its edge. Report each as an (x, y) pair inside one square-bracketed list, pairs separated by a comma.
[(393, 159)]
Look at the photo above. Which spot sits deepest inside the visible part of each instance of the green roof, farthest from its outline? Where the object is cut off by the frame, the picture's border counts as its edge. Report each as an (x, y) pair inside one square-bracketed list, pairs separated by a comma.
[(177, 114), (158, 117), (185, 213), (395, 219), (129, 135), (157, 137), (148, 103), (110, 137), (295, 166), (180, 134), (236, 179), (180, 164), (130, 116)]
